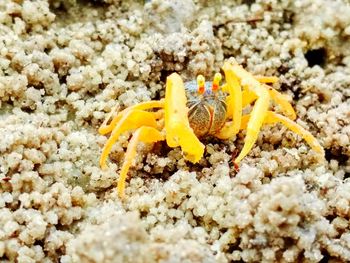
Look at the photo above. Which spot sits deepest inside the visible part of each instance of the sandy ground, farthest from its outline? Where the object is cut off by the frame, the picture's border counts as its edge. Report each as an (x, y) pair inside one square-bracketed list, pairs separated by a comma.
[(65, 64)]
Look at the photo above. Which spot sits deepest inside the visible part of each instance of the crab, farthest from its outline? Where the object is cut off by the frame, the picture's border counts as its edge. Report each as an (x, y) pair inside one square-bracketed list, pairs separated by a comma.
[(211, 109)]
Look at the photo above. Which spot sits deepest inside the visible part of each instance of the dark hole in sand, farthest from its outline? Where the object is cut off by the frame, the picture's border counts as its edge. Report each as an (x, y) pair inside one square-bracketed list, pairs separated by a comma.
[(326, 256), (248, 2), (336, 154), (164, 74), (316, 57)]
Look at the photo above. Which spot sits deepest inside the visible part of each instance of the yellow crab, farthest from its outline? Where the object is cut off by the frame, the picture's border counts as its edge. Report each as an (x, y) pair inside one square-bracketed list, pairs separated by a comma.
[(211, 110)]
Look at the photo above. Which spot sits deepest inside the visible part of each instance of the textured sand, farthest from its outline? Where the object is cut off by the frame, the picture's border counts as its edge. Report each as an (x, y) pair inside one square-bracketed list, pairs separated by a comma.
[(65, 64)]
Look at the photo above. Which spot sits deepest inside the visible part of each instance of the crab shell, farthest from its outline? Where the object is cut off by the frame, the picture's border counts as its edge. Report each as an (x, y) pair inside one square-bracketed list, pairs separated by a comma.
[(207, 112)]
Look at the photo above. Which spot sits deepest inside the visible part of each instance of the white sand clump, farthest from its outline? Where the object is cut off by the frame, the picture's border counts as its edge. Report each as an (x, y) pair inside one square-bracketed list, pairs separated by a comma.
[(169, 16), (65, 64), (275, 221), (122, 238), (34, 204)]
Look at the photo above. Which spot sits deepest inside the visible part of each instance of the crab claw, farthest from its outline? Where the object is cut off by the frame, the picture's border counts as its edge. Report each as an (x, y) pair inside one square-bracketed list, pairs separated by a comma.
[(178, 130)]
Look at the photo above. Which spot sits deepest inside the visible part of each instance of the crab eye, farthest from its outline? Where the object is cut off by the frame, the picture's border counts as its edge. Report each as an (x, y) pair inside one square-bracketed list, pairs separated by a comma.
[(201, 84), (216, 82)]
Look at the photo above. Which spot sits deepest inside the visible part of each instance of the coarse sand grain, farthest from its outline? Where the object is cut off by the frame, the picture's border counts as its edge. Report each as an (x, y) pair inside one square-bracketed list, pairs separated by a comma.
[(64, 64)]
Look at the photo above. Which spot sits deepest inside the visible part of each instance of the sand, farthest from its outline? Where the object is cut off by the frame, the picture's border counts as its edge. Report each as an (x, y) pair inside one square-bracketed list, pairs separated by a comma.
[(65, 64)]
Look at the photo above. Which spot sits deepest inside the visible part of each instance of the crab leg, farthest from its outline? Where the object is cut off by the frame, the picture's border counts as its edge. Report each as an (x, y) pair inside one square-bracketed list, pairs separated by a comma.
[(248, 97), (234, 103), (282, 101), (265, 79), (259, 111), (132, 119), (141, 106), (144, 134), (272, 117), (178, 130), (254, 125), (237, 98)]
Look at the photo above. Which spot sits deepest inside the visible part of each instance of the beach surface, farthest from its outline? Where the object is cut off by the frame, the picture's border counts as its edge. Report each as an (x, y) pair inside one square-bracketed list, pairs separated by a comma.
[(64, 64)]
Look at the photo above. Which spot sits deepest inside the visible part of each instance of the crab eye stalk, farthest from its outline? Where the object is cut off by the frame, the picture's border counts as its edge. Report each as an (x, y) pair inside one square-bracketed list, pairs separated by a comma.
[(216, 82), (201, 84)]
